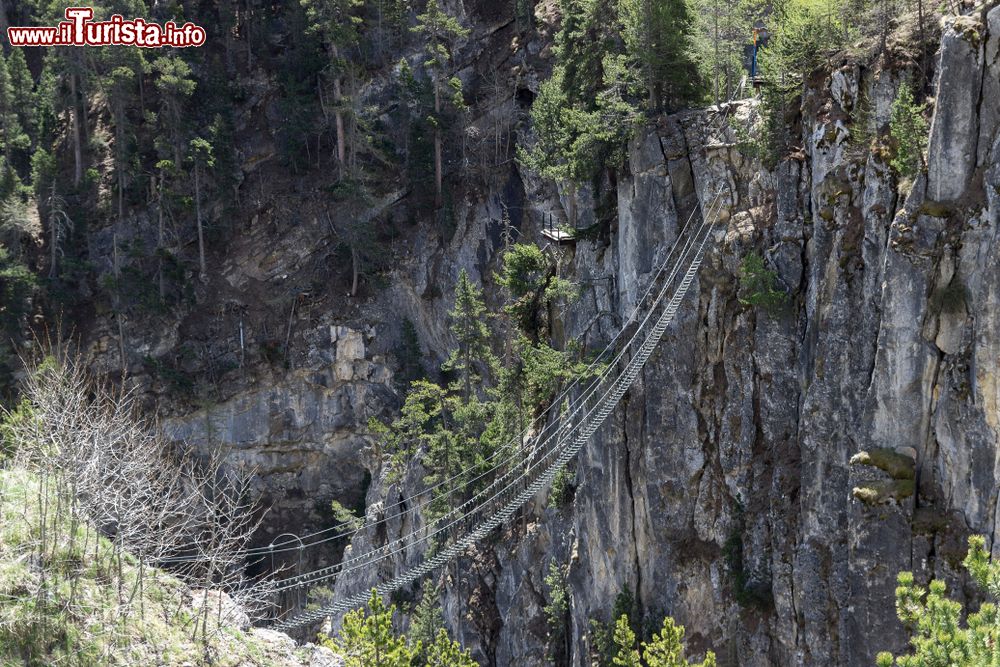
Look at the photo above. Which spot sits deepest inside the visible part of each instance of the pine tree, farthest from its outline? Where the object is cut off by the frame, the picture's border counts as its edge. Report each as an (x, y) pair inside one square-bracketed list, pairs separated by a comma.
[(175, 85), (934, 621), (366, 638), (120, 83), (163, 168), (530, 277), (587, 35), (202, 158), (472, 360), (445, 652), (657, 39), (427, 618), (666, 648), (440, 32), (44, 105), (22, 86), (624, 638), (12, 135), (337, 22), (908, 130)]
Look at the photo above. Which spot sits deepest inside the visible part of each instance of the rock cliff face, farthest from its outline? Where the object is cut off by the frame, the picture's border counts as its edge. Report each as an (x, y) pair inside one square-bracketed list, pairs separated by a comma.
[(722, 491), (772, 471)]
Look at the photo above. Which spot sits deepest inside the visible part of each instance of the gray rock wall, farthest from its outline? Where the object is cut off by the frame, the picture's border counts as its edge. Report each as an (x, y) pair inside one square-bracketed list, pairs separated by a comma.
[(722, 491)]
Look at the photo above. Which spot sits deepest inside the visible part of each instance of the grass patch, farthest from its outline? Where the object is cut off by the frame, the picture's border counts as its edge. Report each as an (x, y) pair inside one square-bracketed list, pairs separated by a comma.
[(67, 599)]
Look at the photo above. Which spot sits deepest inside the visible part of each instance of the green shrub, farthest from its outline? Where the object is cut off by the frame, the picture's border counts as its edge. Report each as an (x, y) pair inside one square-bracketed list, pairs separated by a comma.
[(557, 610), (934, 622), (908, 130), (563, 489), (759, 285)]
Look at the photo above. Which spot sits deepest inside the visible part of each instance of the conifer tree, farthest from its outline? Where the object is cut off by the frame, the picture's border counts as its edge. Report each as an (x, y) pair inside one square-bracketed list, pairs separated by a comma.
[(664, 649), (564, 151), (163, 168), (584, 114), (908, 130), (427, 619), (202, 158), (472, 360), (120, 83), (12, 135), (22, 88), (657, 39), (937, 634), (445, 652), (366, 638), (588, 33), (44, 107), (175, 85), (338, 24), (440, 32), (624, 638)]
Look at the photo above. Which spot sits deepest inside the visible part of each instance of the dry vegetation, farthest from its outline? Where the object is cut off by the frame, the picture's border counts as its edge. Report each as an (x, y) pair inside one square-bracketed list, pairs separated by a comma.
[(92, 505)]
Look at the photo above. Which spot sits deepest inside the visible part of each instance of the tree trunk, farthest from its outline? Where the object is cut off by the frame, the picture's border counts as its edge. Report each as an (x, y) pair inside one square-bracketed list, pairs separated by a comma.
[(77, 148), (249, 34), (716, 63), (120, 157), (438, 199), (920, 24), (355, 269), (178, 156), (117, 304), (53, 239), (339, 120), (202, 270), (571, 196), (338, 114), (159, 239), (3, 19)]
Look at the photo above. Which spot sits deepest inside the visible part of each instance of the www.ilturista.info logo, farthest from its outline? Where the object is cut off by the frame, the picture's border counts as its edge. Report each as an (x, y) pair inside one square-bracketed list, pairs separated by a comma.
[(79, 30)]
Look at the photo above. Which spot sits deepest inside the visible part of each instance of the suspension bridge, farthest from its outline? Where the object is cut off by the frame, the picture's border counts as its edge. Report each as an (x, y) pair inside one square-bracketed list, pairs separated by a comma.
[(515, 473), (529, 462)]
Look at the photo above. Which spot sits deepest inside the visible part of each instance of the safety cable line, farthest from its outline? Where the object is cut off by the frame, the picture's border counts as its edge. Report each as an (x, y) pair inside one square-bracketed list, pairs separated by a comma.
[(592, 421)]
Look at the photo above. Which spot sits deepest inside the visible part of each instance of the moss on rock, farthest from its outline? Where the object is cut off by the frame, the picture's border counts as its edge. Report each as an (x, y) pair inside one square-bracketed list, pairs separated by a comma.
[(881, 491), (896, 465)]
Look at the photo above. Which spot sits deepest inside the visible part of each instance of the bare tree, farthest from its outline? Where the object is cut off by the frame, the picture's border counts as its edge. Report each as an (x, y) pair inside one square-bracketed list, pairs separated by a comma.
[(104, 469), (59, 226)]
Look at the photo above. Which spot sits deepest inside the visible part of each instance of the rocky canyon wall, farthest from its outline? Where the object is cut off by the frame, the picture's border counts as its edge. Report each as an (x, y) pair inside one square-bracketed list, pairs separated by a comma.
[(772, 471)]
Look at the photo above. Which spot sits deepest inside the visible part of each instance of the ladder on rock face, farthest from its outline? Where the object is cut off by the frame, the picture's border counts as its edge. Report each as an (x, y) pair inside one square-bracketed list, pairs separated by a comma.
[(496, 504)]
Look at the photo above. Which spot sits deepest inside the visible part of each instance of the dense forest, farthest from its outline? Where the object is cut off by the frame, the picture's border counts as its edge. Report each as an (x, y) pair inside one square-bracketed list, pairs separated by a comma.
[(147, 137)]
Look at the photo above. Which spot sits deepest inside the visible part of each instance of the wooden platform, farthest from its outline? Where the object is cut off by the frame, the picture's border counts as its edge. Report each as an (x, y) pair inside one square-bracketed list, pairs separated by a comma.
[(559, 235)]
